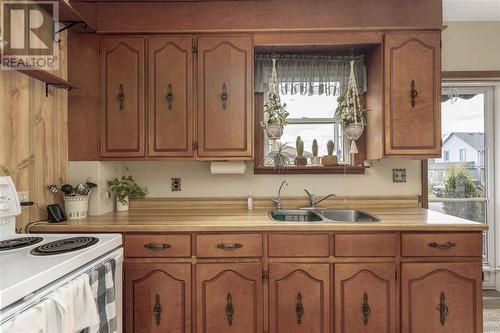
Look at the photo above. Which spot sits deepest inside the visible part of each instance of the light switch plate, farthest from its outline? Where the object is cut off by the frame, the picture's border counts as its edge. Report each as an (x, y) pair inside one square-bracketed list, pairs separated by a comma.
[(399, 175)]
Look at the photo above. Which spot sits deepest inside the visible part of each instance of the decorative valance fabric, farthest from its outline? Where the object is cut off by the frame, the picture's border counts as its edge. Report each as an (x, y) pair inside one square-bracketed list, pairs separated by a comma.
[(309, 74)]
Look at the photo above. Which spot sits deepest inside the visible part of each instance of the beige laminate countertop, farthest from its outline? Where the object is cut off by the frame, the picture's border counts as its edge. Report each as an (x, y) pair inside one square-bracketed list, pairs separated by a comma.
[(393, 219)]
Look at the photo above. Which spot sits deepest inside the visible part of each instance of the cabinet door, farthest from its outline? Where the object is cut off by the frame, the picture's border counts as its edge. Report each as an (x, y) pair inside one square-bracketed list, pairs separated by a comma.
[(170, 96), (441, 297), (413, 93), (299, 298), (229, 298), (122, 97), (158, 297), (365, 296), (225, 97)]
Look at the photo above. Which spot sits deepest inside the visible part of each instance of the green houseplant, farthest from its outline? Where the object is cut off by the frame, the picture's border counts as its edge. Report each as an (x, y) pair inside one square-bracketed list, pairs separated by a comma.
[(315, 159), (330, 159), (124, 188), (300, 159), (280, 156)]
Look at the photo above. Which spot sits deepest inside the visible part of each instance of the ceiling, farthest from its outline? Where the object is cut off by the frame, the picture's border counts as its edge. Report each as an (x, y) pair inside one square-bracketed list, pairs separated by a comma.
[(471, 10)]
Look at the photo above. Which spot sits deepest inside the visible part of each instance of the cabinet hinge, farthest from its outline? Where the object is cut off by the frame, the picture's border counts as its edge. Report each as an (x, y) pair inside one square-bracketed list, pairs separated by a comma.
[(265, 276), (194, 48), (396, 274), (99, 146), (98, 48), (194, 145)]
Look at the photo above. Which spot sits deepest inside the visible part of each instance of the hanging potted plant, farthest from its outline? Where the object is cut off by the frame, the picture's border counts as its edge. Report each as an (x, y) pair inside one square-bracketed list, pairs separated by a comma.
[(275, 113), (330, 159), (300, 159), (124, 189), (315, 159), (350, 112)]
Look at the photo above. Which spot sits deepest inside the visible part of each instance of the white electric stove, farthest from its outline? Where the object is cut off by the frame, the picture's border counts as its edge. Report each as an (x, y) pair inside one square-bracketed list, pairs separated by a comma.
[(33, 265)]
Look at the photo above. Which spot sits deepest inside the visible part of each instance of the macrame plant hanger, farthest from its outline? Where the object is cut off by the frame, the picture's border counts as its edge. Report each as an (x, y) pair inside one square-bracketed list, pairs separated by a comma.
[(273, 87)]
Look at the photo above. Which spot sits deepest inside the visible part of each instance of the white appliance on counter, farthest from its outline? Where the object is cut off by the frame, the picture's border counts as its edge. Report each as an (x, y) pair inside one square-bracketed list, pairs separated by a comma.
[(32, 266)]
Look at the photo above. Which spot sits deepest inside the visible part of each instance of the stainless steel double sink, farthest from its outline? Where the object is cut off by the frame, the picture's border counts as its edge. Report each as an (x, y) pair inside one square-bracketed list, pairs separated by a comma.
[(319, 215)]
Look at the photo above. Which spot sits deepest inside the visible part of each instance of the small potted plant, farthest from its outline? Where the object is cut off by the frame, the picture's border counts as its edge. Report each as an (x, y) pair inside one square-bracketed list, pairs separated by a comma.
[(315, 159), (330, 159), (124, 188), (280, 156), (299, 146)]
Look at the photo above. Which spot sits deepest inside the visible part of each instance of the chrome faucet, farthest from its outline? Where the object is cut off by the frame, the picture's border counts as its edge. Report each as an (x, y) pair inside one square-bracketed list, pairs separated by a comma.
[(312, 198), (277, 201)]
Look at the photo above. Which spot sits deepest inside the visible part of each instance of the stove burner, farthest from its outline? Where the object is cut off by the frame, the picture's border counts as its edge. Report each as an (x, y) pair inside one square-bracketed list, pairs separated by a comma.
[(64, 246), (17, 243)]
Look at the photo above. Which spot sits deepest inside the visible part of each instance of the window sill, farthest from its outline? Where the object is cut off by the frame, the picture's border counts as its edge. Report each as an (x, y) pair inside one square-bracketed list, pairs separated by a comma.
[(310, 170)]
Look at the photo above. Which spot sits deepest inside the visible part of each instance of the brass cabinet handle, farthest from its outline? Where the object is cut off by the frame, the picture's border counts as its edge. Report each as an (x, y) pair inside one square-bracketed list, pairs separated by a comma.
[(121, 96), (157, 246), (224, 96), (443, 309), (229, 309), (229, 246), (157, 310), (413, 94), (299, 308), (365, 309), (442, 246), (170, 96)]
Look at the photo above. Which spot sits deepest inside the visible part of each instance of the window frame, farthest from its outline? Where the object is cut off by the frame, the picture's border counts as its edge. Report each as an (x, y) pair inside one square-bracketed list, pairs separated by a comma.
[(356, 167)]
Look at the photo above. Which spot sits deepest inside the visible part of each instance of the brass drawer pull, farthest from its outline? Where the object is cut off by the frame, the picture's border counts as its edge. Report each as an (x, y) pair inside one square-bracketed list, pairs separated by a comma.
[(365, 309), (157, 310), (229, 246), (442, 246), (299, 308), (169, 96), (121, 96), (224, 96), (157, 246), (413, 94), (229, 309), (443, 309)]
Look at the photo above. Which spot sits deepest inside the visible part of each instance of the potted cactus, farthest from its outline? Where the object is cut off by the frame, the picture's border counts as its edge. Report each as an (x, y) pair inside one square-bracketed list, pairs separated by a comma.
[(315, 159), (299, 146), (330, 159)]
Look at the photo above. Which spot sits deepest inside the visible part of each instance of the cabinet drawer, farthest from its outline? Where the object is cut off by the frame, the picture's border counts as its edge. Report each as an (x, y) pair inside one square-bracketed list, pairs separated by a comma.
[(157, 246), (360, 245), (442, 244), (229, 245), (285, 245)]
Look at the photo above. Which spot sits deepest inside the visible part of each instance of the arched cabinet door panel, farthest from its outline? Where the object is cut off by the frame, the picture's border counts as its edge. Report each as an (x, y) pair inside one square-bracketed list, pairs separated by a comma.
[(170, 96), (365, 296), (229, 298), (225, 107), (441, 297), (158, 298), (299, 298), (412, 93), (122, 97)]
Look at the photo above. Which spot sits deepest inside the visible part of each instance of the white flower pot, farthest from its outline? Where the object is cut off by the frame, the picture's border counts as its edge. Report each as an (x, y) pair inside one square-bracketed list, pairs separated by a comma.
[(120, 207), (354, 131), (274, 131)]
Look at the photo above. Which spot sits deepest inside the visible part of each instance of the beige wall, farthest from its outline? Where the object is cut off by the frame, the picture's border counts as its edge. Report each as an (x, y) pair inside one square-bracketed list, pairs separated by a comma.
[(471, 46)]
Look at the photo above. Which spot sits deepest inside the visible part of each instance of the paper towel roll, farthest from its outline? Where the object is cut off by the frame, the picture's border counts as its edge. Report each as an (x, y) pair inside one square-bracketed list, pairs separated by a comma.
[(227, 168)]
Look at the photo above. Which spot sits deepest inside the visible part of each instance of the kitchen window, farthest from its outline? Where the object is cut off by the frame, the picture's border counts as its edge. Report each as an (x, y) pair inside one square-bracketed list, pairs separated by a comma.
[(461, 183), (309, 85)]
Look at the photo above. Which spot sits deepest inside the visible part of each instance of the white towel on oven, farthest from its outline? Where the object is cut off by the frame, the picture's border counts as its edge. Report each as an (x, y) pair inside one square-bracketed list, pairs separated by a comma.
[(74, 307), (29, 321)]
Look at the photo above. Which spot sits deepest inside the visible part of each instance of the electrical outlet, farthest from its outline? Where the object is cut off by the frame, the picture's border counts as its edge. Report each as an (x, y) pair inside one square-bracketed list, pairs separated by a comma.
[(23, 196), (175, 184), (399, 175)]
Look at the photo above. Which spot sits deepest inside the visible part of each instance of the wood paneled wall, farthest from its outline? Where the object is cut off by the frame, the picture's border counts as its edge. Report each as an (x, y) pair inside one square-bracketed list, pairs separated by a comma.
[(34, 136)]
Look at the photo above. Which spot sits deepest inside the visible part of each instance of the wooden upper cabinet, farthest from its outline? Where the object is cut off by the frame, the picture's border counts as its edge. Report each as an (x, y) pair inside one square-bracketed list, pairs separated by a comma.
[(158, 297), (122, 97), (299, 298), (229, 298), (365, 296), (412, 63), (441, 297), (170, 96), (225, 126)]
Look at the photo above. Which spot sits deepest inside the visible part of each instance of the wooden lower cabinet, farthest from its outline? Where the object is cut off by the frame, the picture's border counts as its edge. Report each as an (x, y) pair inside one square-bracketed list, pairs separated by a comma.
[(441, 297), (229, 298), (365, 298), (157, 298), (299, 298)]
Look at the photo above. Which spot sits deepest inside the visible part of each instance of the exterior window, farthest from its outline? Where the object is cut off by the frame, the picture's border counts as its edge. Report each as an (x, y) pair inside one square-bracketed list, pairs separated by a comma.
[(461, 182), (463, 156)]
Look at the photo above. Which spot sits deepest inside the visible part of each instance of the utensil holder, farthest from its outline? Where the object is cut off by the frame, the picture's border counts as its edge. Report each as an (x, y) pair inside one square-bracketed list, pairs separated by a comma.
[(76, 207)]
